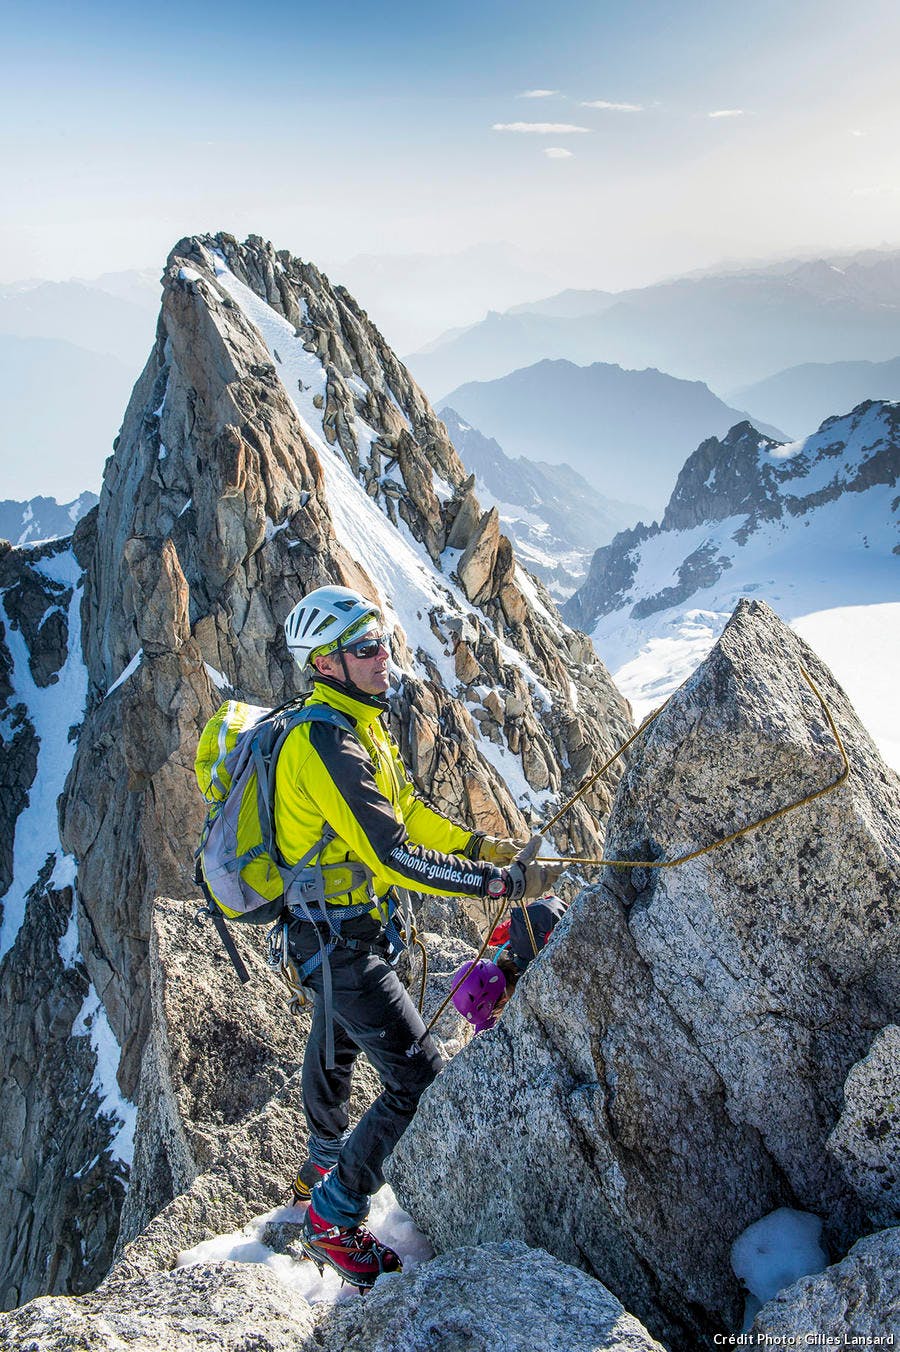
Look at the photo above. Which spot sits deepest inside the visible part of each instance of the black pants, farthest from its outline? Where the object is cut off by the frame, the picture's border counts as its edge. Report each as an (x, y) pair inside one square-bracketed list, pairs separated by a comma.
[(372, 1013)]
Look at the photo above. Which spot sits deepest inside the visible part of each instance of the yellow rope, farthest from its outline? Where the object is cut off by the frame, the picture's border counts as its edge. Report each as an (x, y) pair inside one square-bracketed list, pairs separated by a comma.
[(734, 835), (603, 768), (534, 949), (658, 863)]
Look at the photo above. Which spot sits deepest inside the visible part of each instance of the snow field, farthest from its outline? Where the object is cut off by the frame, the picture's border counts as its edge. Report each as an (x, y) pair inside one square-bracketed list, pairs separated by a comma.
[(830, 574)]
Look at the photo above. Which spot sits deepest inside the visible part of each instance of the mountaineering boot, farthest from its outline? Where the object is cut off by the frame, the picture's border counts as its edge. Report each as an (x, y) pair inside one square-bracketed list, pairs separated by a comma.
[(354, 1253), (308, 1175)]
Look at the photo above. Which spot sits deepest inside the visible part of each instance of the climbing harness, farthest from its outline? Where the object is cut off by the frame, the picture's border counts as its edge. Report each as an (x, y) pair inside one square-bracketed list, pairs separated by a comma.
[(660, 863), (278, 958)]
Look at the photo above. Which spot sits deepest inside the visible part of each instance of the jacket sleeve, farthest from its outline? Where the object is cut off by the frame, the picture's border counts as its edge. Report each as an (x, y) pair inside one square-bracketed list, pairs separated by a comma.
[(338, 777), (424, 826)]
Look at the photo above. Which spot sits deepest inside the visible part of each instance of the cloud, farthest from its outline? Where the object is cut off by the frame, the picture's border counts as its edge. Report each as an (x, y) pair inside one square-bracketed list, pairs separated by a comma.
[(538, 93), (613, 107), (727, 112), (557, 153), (539, 128), (855, 132)]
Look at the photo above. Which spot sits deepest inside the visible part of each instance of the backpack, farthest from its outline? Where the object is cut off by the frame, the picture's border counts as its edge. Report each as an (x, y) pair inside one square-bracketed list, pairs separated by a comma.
[(238, 864)]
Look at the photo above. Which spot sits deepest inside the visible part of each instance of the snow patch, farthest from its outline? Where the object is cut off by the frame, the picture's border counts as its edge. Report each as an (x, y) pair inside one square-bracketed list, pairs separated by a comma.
[(129, 671), (51, 711), (63, 874), (774, 1253), (272, 530), (220, 681), (188, 275), (91, 1019), (386, 1220), (68, 943)]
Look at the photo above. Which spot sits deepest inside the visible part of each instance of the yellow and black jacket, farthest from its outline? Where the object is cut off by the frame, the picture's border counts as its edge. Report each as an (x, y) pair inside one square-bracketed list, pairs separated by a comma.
[(357, 785)]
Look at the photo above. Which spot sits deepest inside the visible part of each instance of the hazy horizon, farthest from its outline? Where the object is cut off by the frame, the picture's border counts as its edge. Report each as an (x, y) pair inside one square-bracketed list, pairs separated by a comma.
[(441, 165), (612, 145)]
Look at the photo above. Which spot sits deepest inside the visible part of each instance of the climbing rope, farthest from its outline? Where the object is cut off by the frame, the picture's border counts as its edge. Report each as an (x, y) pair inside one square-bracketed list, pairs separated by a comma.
[(421, 947), (534, 949), (733, 835), (504, 902), (659, 863)]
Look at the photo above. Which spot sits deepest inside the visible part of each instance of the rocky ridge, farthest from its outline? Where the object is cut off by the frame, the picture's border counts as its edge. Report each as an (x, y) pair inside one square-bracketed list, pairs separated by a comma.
[(499, 1296), (728, 492), (231, 492)]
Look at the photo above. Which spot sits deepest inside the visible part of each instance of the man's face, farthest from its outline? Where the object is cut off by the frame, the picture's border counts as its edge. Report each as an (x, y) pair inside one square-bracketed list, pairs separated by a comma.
[(369, 673)]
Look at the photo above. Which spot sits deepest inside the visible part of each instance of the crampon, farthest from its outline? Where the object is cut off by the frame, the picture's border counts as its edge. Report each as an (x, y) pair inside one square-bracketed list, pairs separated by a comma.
[(352, 1251), (308, 1175)]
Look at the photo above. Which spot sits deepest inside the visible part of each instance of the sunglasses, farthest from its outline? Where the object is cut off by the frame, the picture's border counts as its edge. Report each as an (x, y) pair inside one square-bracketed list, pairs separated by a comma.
[(367, 647)]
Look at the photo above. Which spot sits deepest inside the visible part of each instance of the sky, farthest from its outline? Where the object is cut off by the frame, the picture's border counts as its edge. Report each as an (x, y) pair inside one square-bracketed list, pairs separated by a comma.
[(606, 144)]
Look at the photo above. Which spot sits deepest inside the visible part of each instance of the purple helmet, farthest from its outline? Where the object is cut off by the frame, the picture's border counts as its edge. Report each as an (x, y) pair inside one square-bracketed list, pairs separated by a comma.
[(478, 992)]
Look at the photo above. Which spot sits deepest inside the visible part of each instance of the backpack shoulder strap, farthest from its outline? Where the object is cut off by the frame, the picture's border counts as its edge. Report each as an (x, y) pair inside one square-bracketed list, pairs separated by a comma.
[(309, 713), (323, 713)]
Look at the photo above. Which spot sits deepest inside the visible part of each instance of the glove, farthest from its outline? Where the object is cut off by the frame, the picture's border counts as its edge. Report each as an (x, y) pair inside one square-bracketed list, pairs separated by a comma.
[(527, 880), (494, 850)]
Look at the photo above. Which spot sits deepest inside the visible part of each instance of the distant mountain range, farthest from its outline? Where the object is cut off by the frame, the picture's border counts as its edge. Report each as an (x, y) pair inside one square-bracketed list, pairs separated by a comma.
[(728, 329), (811, 527), (24, 523), (802, 397), (626, 432), (70, 353), (554, 517), (413, 296)]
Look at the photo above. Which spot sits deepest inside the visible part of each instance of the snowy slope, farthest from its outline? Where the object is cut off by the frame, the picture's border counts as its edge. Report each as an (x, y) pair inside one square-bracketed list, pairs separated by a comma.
[(51, 711), (814, 532), (408, 581)]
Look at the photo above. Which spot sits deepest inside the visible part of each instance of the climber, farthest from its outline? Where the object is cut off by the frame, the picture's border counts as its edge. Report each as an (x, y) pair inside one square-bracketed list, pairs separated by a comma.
[(486, 986), (354, 789)]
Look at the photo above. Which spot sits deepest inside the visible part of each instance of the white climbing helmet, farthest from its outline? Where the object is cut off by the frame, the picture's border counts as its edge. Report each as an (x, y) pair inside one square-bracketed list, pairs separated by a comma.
[(325, 616)]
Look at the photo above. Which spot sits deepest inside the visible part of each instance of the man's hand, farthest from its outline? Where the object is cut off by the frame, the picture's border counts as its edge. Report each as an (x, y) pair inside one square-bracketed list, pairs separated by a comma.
[(497, 850), (528, 880)]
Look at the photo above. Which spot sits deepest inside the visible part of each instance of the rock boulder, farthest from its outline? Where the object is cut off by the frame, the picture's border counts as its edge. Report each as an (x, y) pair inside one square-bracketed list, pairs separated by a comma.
[(866, 1139), (671, 1067), (496, 1298)]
